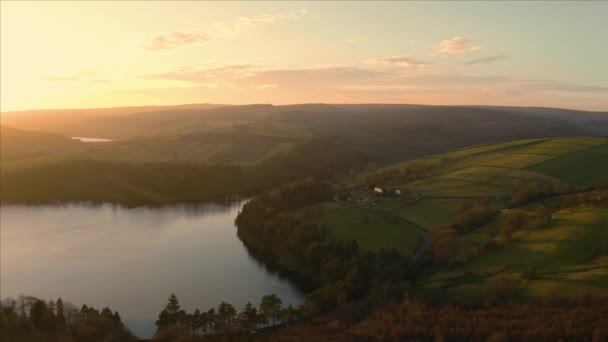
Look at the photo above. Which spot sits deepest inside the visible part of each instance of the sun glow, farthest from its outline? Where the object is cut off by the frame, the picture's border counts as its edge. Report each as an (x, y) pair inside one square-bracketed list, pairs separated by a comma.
[(95, 54)]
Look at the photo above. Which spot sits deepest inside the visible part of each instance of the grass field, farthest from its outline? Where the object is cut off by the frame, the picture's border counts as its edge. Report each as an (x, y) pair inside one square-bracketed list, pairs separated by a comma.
[(561, 253), (581, 168), (371, 231), (433, 213)]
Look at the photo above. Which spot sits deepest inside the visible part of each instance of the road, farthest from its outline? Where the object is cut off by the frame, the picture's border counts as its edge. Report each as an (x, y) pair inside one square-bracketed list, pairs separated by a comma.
[(425, 237)]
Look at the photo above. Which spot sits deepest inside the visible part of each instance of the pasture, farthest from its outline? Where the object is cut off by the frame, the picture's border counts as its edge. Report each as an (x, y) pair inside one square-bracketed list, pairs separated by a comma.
[(566, 256), (492, 172), (371, 231)]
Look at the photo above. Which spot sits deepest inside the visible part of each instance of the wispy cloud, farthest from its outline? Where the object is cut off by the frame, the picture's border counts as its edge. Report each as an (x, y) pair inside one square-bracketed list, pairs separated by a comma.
[(82, 76), (354, 40), (312, 76), (488, 59), (240, 27), (172, 40), (251, 82), (457, 46), (567, 87), (204, 73), (407, 61)]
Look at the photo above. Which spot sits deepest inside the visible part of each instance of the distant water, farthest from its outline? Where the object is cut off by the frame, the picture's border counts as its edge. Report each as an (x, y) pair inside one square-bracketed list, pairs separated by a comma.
[(91, 140), (132, 259)]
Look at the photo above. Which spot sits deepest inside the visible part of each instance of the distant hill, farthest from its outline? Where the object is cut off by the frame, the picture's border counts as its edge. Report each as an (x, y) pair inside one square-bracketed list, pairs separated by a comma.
[(388, 132), (81, 122), (17, 144)]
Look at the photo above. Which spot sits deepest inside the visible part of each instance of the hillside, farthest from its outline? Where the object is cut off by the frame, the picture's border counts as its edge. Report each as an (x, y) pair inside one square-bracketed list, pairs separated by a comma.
[(389, 133), (83, 122), (464, 197), (17, 144)]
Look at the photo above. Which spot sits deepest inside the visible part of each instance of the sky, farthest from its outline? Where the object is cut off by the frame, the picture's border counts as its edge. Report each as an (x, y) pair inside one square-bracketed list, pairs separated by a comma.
[(117, 53)]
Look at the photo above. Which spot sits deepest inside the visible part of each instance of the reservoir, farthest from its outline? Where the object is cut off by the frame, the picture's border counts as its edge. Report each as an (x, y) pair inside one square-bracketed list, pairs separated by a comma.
[(132, 259), (91, 140)]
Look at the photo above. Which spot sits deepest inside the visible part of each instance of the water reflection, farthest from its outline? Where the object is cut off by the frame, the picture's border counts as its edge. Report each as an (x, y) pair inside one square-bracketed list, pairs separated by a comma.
[(132, 259)]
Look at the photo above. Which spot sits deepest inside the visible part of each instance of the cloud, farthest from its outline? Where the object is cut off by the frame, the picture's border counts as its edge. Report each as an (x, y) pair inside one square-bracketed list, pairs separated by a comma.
[(313, 77), (240, 27), (172, 40), (203, 73), (354, 40), (407, 61), (247, 82), (82, 76), (567, 87), (488, 59), (483, 91), (457, 46)]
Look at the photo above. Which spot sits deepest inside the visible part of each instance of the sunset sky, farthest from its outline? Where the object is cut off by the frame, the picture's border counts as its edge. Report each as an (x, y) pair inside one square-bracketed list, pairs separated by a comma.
[(94, 54)]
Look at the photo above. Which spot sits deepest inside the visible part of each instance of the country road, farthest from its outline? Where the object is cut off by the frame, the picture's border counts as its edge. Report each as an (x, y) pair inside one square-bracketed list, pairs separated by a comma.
[(423, 232)]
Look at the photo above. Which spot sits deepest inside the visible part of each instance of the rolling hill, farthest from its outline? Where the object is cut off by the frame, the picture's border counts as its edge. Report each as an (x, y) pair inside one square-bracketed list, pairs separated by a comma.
[(249, 134), (564, 257), (17, 144)]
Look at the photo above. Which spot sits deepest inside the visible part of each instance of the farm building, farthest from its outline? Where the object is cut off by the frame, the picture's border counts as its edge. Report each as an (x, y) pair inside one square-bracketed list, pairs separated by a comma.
[(378, 190)]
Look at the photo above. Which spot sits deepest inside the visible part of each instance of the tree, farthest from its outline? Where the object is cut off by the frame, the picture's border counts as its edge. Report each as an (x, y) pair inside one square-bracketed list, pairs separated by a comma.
[(170, 314), (270, 308), (517, 217), (443, 243), (291, 313), (210, 321), (226, 315), (513, 220), (172, 305), (194, 321), (60, 315), (506, 230), (543, 215), (248, 318), (39, 315)]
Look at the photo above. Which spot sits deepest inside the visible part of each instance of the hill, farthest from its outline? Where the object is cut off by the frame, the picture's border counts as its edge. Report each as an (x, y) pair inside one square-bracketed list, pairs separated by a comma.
[(17, 144), (250, 134), (465, 198)]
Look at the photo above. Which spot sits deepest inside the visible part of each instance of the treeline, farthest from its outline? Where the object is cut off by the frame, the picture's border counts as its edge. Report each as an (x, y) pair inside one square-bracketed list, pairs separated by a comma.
[(444, 240), (414, 320), (339, 269), (32, 319), (393, 177), (161, 183), (528, 192), (174, 323)]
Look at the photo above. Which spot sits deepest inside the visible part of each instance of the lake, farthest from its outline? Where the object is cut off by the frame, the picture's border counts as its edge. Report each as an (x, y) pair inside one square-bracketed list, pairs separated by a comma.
[(132, 259), (91, 140)]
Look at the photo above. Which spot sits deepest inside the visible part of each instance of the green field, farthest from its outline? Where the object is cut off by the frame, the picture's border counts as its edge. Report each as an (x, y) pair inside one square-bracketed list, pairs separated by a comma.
[(433, 213), (371, 231), (561, 253), (493, 172), (582, 167)]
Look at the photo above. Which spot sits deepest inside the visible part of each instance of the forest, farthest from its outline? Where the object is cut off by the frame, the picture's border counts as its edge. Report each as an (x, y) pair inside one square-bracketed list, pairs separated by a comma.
[(32, 319)]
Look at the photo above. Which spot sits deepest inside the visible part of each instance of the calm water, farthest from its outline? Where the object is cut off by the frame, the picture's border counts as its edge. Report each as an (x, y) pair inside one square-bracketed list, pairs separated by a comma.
[(91, 140), (132, 259)]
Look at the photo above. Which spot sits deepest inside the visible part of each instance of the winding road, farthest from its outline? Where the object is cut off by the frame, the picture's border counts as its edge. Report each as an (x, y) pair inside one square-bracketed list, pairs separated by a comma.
[(425, 237)]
